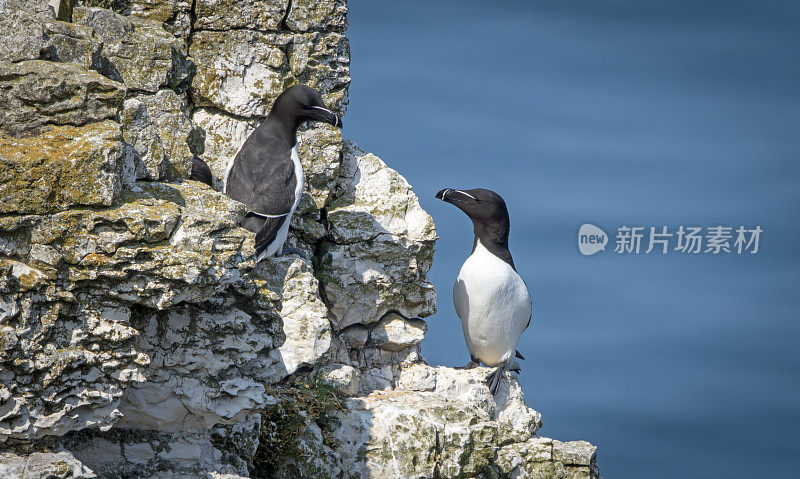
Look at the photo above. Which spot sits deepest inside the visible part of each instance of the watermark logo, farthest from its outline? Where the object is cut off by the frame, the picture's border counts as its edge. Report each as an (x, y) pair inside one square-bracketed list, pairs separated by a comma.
[(591, 239), (635, 240)]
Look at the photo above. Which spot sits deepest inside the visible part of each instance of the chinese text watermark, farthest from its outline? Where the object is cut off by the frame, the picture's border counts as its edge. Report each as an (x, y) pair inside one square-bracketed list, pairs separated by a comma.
[(681, 240)]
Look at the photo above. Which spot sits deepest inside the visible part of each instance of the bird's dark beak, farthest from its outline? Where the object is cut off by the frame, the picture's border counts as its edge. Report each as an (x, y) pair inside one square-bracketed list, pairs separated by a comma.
[(324, 115), (455, 196)]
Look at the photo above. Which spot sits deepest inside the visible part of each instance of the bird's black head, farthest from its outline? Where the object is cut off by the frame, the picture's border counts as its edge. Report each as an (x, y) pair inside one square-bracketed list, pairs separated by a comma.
[(486, 209), (300, 103)]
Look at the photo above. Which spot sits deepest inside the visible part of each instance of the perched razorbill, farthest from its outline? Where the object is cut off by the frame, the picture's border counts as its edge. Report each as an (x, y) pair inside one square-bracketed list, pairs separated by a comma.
[(490, 297)]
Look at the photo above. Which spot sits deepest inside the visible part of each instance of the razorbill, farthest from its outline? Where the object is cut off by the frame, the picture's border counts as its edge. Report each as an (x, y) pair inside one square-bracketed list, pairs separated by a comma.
[(266, 174), (490, 297), (200, 171)]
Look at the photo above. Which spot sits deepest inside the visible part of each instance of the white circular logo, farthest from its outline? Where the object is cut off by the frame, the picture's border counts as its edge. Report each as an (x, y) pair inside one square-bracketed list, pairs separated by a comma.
[(591, 239)]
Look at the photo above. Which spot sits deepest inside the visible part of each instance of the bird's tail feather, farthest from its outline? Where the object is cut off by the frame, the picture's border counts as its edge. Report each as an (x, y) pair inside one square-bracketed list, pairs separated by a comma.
[(201, 172)]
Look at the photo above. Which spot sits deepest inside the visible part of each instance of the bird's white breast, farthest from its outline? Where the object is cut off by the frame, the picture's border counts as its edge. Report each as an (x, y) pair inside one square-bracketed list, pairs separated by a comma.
[(494, 306), (299, 176)]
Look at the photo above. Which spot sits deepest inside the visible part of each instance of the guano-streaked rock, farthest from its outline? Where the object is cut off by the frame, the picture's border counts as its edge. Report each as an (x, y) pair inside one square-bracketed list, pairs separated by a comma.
[(381, 245)]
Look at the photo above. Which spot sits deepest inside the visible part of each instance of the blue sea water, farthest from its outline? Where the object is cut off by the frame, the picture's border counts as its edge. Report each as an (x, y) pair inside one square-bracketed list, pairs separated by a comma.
[(613, 113)]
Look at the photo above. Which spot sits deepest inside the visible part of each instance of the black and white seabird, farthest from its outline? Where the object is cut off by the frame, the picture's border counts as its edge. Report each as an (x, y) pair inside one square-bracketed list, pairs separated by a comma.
[(490, 297), (266, 174)]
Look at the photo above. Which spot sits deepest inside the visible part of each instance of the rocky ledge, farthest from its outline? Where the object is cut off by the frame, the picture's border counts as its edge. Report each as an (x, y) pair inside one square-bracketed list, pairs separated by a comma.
[(138, 336)]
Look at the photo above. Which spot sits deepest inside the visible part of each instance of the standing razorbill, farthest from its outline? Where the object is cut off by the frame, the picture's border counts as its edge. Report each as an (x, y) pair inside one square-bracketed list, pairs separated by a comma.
[(266, 174), (490, 297)]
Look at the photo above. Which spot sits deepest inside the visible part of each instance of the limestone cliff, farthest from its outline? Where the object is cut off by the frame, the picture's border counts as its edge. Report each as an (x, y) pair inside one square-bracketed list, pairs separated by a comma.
[(138, 336)]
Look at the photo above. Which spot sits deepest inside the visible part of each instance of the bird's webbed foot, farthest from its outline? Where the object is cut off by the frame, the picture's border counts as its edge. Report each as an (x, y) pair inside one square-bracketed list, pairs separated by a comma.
[(469, 365), (493, 379), (472, 364)]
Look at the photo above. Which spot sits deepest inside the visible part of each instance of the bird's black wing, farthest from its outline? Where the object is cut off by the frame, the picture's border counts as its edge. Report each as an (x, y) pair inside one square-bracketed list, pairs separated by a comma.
[(531, 299), (262, 177), (517, 353)]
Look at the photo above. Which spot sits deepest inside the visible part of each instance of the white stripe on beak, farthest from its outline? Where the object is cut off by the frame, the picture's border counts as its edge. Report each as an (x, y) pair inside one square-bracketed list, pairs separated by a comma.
[(327, 111), (264, 217)]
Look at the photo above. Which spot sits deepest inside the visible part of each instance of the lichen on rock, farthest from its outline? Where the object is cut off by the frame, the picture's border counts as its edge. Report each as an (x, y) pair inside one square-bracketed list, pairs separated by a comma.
[(161, 138), (322, 15), (261, 15), (63, 167), (137, 52), (36, 94), (243, 71), (43, 464)]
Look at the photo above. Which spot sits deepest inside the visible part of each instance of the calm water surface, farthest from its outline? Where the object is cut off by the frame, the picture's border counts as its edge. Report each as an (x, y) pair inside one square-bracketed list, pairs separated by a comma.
[(622, 112)]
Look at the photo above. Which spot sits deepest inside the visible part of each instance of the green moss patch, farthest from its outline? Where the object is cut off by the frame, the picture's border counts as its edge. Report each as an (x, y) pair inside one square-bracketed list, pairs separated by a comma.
[(283, 424)]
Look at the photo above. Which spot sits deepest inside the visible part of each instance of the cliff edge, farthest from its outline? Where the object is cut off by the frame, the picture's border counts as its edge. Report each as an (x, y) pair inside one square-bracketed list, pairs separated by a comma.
[(139, 337)]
